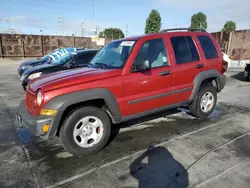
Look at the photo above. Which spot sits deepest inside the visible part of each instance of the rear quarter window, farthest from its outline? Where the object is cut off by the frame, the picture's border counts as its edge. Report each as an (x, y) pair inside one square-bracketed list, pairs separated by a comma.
[(208, 47)]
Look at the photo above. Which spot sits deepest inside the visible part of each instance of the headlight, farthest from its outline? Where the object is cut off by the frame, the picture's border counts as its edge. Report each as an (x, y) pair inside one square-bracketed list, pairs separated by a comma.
[(23, 77), (39, 98), (25, 67), (35, 75)]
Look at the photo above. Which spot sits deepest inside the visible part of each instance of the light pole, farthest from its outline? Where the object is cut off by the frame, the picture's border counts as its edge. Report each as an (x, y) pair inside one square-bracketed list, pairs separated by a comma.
[(82, 29)]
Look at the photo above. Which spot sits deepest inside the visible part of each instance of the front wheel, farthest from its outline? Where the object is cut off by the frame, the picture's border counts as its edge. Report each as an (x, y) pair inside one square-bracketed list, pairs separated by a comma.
[(85, 131), (204, 103)]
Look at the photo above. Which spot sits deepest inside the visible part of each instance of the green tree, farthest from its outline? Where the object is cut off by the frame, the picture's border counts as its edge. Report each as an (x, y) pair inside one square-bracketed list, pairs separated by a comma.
[(112, 33), (229, 26), (153, 22), (199, 20), (101, 35)]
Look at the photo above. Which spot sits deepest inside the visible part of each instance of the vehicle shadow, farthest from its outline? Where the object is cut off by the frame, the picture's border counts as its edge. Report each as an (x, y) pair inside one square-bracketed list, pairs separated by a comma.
[(157, 168), (116, 128), (239, 76)]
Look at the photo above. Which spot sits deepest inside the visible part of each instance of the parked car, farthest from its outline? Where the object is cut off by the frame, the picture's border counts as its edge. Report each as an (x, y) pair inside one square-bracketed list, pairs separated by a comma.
[(128, 78), (80, 58), (247, 72), (47, 59)]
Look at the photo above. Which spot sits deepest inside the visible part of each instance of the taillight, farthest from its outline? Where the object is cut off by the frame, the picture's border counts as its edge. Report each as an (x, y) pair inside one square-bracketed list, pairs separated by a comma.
[(224, 66)]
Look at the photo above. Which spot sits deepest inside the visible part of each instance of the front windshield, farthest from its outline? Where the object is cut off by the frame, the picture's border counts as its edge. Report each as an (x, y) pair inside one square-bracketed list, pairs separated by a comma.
[(64, 59), (113, 56)]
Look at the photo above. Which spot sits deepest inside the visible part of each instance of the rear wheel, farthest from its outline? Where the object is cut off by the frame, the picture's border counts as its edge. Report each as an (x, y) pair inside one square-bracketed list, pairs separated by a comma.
[(204, 103), (85, 131)]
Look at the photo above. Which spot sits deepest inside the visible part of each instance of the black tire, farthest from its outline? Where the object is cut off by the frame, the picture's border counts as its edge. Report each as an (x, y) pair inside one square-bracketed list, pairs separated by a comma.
[(195, 107), (247, 78), (66, 131)]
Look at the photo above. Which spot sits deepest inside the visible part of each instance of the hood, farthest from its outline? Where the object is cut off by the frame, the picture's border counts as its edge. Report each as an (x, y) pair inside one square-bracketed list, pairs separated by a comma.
[(71, 77), (38, 68), (31, 62)]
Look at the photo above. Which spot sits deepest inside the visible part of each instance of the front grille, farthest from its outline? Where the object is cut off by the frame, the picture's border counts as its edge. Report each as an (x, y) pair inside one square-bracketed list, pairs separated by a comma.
[(30, 97)]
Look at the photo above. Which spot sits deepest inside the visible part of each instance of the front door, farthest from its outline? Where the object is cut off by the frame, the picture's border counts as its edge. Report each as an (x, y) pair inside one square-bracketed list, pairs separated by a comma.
[(148, 89)]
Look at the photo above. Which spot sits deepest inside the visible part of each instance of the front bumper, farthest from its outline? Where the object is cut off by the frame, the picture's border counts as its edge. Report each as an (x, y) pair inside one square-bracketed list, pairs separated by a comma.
[(25, 83), (34, 124)]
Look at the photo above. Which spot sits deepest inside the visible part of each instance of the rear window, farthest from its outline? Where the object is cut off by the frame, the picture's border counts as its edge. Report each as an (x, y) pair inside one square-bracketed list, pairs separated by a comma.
[(208, 47), (184, 49)]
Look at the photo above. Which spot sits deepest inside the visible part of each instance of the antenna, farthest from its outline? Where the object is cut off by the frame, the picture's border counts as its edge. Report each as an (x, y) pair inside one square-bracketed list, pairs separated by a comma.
[(126, 30)]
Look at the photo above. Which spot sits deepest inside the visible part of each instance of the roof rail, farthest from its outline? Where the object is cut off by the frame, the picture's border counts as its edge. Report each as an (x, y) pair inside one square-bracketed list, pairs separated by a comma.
[(183, 29)]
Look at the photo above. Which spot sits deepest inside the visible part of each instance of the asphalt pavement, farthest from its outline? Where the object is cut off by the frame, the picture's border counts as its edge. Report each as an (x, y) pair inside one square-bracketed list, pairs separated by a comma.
[(170, 149)]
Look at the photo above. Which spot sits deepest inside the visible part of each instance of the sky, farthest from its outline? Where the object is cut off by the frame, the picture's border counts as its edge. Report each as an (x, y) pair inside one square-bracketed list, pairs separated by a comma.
[(42, 16)]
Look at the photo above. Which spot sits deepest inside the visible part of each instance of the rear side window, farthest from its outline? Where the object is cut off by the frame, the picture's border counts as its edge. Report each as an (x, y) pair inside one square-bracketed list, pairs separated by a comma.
[(208, 47), (184, 49)]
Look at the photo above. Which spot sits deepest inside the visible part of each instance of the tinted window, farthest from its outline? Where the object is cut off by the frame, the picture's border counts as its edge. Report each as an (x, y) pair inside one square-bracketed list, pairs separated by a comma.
[(84, 59), (154, 51), (64, 59), (184, 49), (208, 47)]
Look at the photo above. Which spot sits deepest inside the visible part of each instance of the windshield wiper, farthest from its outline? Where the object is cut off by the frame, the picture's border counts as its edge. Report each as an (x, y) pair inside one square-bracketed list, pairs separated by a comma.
[(103, 65)]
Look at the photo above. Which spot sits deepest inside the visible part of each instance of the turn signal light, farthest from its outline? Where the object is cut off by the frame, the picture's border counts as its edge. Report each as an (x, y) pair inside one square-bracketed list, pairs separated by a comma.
[(47, 112), (46, 128)]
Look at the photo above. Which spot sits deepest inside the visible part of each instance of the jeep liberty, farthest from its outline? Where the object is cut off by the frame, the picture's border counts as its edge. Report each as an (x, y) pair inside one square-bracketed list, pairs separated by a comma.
[(128, 78)]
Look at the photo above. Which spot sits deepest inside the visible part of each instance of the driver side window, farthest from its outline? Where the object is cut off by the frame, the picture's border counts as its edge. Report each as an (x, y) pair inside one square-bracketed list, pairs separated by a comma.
[(70, 64), (154, 51)]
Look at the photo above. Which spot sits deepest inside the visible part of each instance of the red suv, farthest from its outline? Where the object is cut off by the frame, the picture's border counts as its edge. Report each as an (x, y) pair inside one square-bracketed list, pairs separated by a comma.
[(128, 78)]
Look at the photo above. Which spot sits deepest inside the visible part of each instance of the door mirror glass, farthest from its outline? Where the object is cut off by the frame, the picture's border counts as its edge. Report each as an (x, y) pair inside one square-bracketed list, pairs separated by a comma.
[(144, 65)]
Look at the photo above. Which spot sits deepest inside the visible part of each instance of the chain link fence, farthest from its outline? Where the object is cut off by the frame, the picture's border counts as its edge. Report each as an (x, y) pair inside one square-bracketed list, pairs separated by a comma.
[(235, 44), (15, 45)]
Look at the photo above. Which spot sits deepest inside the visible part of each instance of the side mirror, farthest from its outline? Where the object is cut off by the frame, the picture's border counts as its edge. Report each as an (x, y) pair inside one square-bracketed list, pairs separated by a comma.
[(144, 65)]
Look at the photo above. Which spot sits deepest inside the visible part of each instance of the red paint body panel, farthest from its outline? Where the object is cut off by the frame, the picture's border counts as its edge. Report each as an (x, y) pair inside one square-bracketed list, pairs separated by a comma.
[(128, 87)]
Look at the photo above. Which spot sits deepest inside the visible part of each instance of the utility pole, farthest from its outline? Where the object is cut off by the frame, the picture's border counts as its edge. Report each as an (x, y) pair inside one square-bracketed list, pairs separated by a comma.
[(60, 25), (82, 29), (126, 30), (94, 9), (9, 26), (201, 26)]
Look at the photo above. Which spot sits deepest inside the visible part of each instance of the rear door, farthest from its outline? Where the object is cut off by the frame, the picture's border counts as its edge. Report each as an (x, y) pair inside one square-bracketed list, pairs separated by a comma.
[(213, 60), (187, 64)]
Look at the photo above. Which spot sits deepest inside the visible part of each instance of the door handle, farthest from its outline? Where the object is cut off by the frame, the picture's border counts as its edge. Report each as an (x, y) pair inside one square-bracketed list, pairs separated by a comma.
[(198, 66), (165, 73)]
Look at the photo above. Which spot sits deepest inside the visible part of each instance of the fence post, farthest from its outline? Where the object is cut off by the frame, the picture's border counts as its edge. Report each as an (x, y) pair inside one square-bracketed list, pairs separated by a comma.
[(229, 44), (58, 43), (42, 45), (1, 46), (74, 42), (23, 49)]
